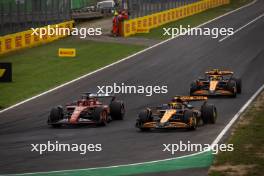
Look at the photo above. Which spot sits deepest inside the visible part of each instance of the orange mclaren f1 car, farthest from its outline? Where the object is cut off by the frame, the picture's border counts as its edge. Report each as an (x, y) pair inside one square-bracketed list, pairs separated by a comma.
[(217, 83), (179, 113), (87, 110)]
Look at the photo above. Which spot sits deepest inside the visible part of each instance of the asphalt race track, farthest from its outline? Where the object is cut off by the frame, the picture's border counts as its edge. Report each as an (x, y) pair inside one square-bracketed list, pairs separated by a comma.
[(175, 64)]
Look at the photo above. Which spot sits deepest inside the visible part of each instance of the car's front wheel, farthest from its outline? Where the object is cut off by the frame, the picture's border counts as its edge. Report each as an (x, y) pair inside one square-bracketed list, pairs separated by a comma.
[(208, 113), (117, 110), (56, 114), (144, 117)]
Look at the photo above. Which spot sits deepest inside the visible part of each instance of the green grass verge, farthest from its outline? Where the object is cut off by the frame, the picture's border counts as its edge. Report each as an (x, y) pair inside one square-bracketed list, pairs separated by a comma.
[(248, 155), (39, 69), (194, 20), (200, 160)]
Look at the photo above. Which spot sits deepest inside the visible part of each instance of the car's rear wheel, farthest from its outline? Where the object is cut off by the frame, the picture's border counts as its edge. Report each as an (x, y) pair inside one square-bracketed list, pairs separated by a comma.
[(190, 119), (208, 113), (117, 110), (144, 117), (100, 116), (232, 87), (56, 114), (238, 84)]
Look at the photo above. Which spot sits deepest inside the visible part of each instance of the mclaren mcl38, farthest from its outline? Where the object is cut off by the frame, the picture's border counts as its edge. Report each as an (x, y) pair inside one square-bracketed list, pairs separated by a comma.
[(179, 113), (217, 83)]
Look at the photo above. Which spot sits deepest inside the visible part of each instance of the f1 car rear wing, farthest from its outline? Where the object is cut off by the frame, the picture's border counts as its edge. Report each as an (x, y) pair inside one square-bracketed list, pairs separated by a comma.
[(191, 98), (219, 72)]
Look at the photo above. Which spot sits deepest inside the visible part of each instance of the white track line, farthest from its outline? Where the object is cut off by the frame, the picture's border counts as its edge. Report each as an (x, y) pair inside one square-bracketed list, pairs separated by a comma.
[(218, 138), (242, 27), (108, 167), (233, 120), (126, 58)]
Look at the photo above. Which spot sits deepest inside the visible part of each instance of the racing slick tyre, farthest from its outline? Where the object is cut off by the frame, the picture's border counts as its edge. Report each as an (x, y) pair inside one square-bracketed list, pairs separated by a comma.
[(208, 113), (99, 116), (190, 119), (193, 87), (56, 114), (232, 87), (117, 110), (144, 117), (238, 85)]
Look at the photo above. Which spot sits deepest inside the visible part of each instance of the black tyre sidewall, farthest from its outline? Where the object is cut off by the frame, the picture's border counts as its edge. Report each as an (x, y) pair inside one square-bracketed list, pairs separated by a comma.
[(231, 85), (56, 114), (145, 116), (97, 116), (209, 113), (117, 110), (238, 85)]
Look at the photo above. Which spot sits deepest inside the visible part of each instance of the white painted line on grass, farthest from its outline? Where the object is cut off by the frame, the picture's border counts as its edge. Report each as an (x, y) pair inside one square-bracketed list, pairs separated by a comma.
[(242, 27)]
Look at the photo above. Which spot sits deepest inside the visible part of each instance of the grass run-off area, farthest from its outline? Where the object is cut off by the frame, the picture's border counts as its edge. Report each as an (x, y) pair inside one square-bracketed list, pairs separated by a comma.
[(194, 20), (247, 159), (38, 69)]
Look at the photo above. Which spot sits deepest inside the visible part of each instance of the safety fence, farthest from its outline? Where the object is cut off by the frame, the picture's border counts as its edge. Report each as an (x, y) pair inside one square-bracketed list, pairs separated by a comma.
[(145, 23), (20, 15), (139, 8), (29, 38)]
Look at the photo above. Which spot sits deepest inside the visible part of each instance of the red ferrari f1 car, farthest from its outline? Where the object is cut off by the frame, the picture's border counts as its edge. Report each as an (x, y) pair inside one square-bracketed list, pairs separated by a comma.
[(217, 83), (87, 110)]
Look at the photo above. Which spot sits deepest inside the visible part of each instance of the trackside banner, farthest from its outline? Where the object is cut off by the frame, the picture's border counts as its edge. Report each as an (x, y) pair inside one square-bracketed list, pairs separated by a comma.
[(29, 38), (145, 23)]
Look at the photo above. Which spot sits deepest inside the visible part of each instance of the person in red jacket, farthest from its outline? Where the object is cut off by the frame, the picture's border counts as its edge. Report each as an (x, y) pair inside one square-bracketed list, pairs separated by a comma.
[(119, 17), (124, 15), (115, 28)]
